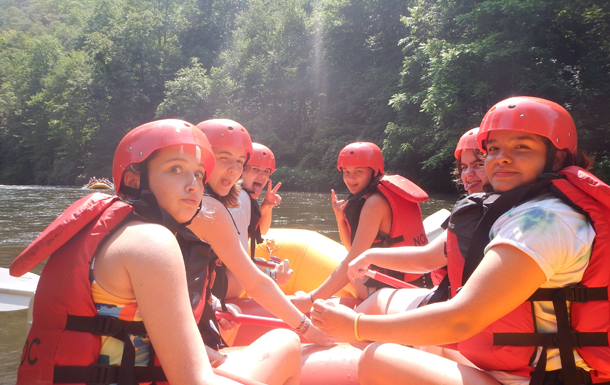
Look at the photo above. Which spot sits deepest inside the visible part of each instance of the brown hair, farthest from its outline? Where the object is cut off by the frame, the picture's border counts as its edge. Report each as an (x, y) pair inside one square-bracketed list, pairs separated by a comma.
[(582, 159), (230, 200), (457, 170)]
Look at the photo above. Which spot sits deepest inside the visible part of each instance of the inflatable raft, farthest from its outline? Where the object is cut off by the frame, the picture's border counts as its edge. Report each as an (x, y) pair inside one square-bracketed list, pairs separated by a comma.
[(99, 186)]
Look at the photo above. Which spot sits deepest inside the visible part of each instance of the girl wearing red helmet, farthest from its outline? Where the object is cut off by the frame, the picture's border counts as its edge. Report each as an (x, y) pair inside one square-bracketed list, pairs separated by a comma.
[(123, 258), (469, 163), (232, 149), (533, 236), (253, 220), (361, 164)]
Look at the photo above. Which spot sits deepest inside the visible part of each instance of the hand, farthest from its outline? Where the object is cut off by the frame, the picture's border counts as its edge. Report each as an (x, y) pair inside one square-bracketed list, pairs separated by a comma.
[(283, 272), (226, 325), (271, 198), (302, 301), (357, 267), (338, 206), (334, 319), (318, 337)]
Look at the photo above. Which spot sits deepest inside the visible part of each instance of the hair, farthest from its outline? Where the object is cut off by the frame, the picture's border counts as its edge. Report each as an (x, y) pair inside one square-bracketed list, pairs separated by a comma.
[(582, 159), (457, 170), (230, 200)]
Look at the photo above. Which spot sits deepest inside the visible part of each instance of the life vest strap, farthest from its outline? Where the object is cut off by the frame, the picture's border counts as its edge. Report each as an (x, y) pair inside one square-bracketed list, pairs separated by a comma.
[(576, 293), (579, 339), (103, 325), (104, 374), (387, 241), (555, 377)]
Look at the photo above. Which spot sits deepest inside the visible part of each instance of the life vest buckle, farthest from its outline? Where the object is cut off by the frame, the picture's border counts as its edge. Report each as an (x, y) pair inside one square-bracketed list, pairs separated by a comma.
[(106, 325), (577, 293)]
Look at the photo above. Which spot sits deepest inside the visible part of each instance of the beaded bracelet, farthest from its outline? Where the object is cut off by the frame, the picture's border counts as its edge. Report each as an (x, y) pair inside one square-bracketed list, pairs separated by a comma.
[(303, 326), (271, 273), (356, 327)]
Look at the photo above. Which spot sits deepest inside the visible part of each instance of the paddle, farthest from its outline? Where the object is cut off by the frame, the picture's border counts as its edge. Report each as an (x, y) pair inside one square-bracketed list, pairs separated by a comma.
[(432, 224), (252, 320), (397, 283), (264, 263)]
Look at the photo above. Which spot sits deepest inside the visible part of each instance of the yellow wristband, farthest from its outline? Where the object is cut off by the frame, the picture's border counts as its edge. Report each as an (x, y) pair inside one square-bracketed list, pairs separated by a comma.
[(356, 327)]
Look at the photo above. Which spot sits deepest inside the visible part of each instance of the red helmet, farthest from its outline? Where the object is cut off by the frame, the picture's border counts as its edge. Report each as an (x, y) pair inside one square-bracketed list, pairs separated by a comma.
[(143, 140), (361, 154), (534, 115), (468, 140), (226, 132), (262, 157)]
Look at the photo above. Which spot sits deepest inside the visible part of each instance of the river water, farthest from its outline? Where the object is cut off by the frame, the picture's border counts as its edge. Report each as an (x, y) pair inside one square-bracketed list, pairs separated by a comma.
[(25, 211)]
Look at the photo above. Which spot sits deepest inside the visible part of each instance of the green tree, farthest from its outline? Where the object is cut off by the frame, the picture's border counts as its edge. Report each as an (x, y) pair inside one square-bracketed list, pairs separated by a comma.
[(462, 57)]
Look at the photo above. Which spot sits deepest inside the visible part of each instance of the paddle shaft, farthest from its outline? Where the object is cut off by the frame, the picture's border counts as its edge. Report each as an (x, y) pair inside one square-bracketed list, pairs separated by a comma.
[(252, 320), (397, 283)]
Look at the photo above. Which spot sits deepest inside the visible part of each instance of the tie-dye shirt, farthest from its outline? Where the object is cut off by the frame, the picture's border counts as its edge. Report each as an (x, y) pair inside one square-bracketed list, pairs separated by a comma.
[(125, 309), (559, 240)]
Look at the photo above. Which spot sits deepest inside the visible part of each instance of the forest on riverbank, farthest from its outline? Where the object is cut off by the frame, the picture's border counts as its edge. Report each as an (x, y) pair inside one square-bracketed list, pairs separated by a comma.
[(305, 77)]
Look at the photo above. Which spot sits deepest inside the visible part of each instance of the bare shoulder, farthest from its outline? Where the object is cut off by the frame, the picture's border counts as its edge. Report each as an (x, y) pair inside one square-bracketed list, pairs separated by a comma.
[(141, 239), (212, 216), (376, 203), (136, 248)]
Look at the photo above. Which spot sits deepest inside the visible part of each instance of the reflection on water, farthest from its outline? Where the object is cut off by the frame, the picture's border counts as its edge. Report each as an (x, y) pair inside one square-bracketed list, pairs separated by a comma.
[(25, 211)]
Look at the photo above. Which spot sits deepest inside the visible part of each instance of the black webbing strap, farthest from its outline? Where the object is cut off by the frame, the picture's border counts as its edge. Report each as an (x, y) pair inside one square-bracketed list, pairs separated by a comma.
[(565, 339), (388, 242), (221, 285), (104, 326), (441, 294), (104, 374), (576, 293), (254, 230), (578, 339), (505, 202)]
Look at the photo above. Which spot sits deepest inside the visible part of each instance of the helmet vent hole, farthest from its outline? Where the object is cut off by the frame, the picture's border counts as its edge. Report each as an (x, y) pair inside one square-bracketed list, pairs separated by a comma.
[(351, 153), (230, 128), (177, 130), (264, 153), (511, 106)]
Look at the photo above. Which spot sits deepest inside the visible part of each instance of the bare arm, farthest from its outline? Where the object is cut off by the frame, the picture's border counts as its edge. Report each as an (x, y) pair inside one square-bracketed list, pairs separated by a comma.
[(375, 210), (219, 231), (151, 270), (409, 259), (505, 278)]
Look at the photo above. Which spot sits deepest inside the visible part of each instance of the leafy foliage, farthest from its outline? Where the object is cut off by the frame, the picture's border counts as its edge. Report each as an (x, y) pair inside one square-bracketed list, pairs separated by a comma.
[(306, 77)]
